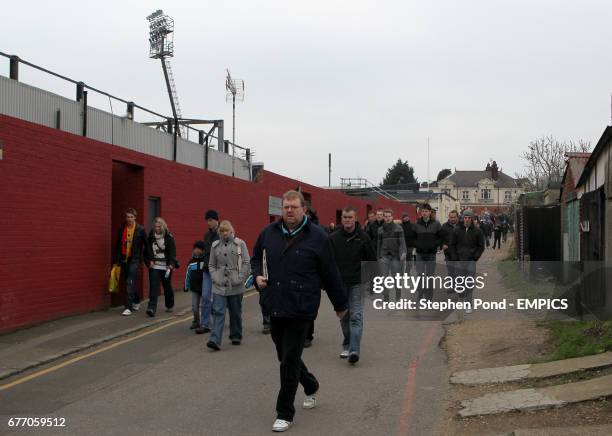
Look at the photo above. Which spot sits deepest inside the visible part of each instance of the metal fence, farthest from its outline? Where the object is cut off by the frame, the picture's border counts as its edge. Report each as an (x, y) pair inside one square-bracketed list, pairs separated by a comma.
[(29, 103)]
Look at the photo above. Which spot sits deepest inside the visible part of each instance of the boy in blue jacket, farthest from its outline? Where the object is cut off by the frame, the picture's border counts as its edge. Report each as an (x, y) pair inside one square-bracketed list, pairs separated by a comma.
[(193, 281)]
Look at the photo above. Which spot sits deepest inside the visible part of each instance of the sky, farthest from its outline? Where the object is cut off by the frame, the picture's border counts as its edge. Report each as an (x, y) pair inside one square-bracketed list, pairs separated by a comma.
[(367, 81)]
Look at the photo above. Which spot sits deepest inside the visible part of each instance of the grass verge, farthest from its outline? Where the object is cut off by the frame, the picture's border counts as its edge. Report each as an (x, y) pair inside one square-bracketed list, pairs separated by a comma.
[(579, 338)]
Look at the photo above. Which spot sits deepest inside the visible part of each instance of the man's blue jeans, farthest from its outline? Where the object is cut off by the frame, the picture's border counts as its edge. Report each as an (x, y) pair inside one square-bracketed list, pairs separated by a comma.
[(234, 304), (206, 302), (352, 321), (129, 270)]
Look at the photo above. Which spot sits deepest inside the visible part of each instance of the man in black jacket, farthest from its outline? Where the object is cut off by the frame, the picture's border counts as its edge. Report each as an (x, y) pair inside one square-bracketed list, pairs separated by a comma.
[(351, 247), (427, 242), (292, 261), (128, 253), (409, 236), (447, 229), (373, 226), (466, 246), (212, 221)]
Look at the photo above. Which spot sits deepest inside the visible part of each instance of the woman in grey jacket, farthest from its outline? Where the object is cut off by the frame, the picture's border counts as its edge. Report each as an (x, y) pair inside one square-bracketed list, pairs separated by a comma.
[(229, 267)]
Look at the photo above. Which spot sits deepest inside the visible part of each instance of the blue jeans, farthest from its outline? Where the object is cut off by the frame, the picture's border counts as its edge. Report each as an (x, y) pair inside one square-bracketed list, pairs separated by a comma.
[(426, 264), (234, 304), (206, 303), (352, 321), (130, 271)]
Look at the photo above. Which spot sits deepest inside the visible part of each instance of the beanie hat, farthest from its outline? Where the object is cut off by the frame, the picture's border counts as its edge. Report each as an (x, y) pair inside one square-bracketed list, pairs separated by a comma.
[(199, 244), (212, 214)]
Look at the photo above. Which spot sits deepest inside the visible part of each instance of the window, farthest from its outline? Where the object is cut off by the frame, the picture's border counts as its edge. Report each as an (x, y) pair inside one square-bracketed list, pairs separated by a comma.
[(446, 191), (485, 194), (465, 195), (508, 196)]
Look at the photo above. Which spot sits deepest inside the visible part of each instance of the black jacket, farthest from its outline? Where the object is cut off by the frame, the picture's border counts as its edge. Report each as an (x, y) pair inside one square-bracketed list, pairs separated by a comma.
[(169, 249), (447, 230), (298, 267), (350, 249), (428, 236), (210, 237), (409, 234), (138, 244), (466, 244), (372, 231)]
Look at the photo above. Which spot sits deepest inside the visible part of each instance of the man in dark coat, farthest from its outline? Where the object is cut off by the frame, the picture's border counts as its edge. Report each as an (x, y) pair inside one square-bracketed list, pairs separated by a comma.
[(409, 236), (465, 247), (128, 253), (292, 261), (352, 246), (447, 229), (212, 235), (373, 227), (427, 242)]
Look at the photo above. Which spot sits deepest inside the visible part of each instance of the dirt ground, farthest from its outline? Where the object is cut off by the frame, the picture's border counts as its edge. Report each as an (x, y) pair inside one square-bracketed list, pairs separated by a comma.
[(473, 344)]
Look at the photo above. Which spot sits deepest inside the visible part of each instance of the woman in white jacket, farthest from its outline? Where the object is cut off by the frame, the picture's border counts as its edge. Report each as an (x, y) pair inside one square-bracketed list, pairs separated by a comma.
[(229, 267)]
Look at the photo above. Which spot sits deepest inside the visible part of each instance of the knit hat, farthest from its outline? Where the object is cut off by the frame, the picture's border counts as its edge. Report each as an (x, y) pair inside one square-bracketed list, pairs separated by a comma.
[(468, 212), (212, 214), (199, 244)]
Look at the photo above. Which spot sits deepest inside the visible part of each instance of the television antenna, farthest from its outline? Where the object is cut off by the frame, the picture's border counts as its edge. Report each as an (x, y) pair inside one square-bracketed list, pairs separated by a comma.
[(235, 92)]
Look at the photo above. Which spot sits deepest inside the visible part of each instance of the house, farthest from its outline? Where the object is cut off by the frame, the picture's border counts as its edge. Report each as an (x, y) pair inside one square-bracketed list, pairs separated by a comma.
[(489, 190)]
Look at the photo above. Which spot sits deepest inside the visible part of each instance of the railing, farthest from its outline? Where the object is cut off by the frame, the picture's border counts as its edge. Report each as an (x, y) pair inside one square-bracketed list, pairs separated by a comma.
[(358, 183), (167, 124)]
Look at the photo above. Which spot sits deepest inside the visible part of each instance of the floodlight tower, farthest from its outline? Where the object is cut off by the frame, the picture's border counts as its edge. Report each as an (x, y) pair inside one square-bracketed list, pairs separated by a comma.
[(161, 39), (235, 91)]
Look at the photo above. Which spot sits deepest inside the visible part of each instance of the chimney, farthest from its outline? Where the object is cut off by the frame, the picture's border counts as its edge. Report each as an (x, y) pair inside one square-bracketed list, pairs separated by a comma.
[(494, 171)]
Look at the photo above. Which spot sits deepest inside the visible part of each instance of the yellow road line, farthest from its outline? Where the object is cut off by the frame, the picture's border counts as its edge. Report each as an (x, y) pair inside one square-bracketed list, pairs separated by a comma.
[(98, 351)]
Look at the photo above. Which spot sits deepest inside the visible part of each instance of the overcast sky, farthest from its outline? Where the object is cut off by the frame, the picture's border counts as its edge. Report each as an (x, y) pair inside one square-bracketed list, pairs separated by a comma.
[(368, 81)]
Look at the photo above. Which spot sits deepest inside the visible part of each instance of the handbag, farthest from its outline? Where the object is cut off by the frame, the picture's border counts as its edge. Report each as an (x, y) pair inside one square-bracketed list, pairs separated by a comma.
[(113, 281)]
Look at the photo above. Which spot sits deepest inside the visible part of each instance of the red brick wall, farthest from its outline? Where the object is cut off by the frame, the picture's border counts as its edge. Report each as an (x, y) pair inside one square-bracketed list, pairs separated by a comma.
[(61, 206)]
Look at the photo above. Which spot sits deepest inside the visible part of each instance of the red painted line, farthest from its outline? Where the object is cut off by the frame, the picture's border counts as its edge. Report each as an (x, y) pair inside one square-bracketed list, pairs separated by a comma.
[(406, 413)]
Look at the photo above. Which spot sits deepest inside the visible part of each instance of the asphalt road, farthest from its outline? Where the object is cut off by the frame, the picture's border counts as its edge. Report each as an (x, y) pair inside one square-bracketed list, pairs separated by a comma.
[(168, 383)]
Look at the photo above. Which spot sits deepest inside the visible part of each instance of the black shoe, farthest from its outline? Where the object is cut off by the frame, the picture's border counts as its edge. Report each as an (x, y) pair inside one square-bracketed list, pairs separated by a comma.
[(212, 346), (194, 325), (202, 330), (266, 330), (151, 312), (234, 342), (353, 358), (308, 343)]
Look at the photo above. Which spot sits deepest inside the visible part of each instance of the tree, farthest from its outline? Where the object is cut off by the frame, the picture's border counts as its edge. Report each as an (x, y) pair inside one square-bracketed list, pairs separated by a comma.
[(443, 173), (399, 173), (545, 159)]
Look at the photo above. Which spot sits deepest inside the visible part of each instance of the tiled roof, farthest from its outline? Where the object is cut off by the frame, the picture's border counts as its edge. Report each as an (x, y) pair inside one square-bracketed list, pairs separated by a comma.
[(471, 178)]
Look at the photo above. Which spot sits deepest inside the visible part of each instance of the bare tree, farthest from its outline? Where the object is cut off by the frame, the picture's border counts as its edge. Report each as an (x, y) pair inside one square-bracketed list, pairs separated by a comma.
[(545, 159)]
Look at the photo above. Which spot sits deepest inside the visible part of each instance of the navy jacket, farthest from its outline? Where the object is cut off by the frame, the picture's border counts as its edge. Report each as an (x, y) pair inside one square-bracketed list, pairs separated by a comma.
[(298, 268)]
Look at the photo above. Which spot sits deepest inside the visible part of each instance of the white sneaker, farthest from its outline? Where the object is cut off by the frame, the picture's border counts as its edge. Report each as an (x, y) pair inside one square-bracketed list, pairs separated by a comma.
[(126, 312), (344, 354), (309, 402), (135, 307), (281, 425)]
